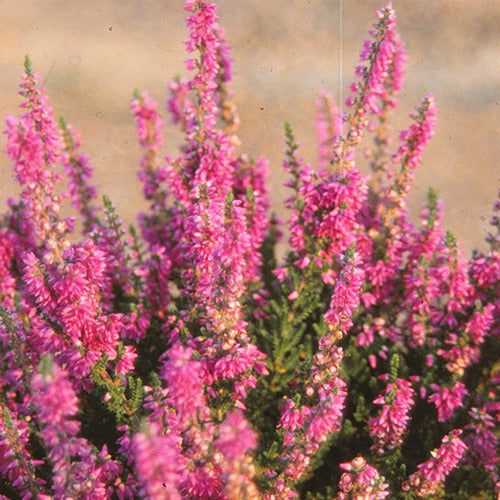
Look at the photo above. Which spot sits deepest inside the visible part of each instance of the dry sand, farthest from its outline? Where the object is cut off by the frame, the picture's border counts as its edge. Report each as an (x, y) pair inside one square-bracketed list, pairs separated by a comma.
[(91, 54)]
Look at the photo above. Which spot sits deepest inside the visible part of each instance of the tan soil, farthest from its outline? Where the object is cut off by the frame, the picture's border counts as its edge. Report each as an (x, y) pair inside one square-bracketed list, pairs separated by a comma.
[(92, 54)]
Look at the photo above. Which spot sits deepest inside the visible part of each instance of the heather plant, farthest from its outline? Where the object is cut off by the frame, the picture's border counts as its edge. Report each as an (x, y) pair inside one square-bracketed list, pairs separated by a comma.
[(183, 360)]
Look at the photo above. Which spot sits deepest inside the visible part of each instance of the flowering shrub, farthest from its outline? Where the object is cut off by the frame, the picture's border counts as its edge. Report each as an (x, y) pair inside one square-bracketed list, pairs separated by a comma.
[(183, 361)]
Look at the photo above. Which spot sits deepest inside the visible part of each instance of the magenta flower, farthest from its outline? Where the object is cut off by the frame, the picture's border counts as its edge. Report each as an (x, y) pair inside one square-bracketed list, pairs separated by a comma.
[(149, 127), (71, 297), (328, 128), (7, 279), (379, 78), (234, 441), (416, 137), (430, 475), (77, 469), (346, 295), (447, 400), (16, 463), (388, 427), (361, 481), (309, 426), (79, 172), (235, 438), (183, 375), (157, 464)]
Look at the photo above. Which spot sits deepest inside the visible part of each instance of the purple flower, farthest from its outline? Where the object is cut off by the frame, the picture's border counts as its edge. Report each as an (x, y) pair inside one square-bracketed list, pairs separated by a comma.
[(482, 443), (235, 438), (16, 463), (447, 400)]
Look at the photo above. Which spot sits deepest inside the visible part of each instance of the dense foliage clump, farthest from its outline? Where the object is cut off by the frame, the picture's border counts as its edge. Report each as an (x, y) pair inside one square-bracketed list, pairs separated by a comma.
[(182, 360)]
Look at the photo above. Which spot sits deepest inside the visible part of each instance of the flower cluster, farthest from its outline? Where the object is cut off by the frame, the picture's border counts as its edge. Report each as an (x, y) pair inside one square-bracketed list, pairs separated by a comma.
[(361, 481), (388, 427), (430, 475), (184, 360)]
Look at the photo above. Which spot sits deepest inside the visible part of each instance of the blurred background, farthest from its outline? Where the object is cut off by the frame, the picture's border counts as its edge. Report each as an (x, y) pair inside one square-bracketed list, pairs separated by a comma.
[(92, 54)]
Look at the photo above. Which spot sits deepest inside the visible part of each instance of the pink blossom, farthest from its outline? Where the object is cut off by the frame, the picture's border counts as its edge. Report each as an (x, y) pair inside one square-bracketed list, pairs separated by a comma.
[(447, 400), (199, 299), (480, 323), (16, 463), (182, 374), (345, 298), (205, 36), (430, 475), (416, 137), (70, 296), (482, 443), (34, 145), (79, 172), (7, 278), (156, 463), (307, 427), (388, 427), (150, 132), (379, 79), (328, 126), (235, 438), (78, 471), (361, 481)]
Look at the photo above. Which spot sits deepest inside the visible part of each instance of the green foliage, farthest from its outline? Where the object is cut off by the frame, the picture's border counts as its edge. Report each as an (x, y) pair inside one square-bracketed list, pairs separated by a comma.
[(27, 65), (123, 397)]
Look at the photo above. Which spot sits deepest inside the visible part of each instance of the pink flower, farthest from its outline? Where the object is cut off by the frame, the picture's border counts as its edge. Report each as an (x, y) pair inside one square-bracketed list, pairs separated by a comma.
[(77, 469), (205, 36), (430, 475), (307, 427), (447, 400), (416, 137), (183, 375), (328, 126), (34, 145), (16, 463), (157, 464), (291, 417), (379, 76), (480, 323), (78, 171), (361, 481), (346, 295), (481, 441), (235, 438), (388, 427), (150, 132)]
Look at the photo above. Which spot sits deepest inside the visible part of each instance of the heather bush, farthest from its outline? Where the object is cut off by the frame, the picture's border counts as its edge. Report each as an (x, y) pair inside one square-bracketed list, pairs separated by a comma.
[(183, 360)]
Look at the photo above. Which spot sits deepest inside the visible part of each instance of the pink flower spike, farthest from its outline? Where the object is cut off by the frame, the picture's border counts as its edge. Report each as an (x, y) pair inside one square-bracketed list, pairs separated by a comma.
[(430, 475), (361, 481), (447, 400), (157, 464), (388, 427)]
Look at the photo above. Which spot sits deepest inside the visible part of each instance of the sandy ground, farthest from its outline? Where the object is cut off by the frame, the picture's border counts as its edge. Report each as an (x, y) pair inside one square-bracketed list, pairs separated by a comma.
[(91, 55)]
